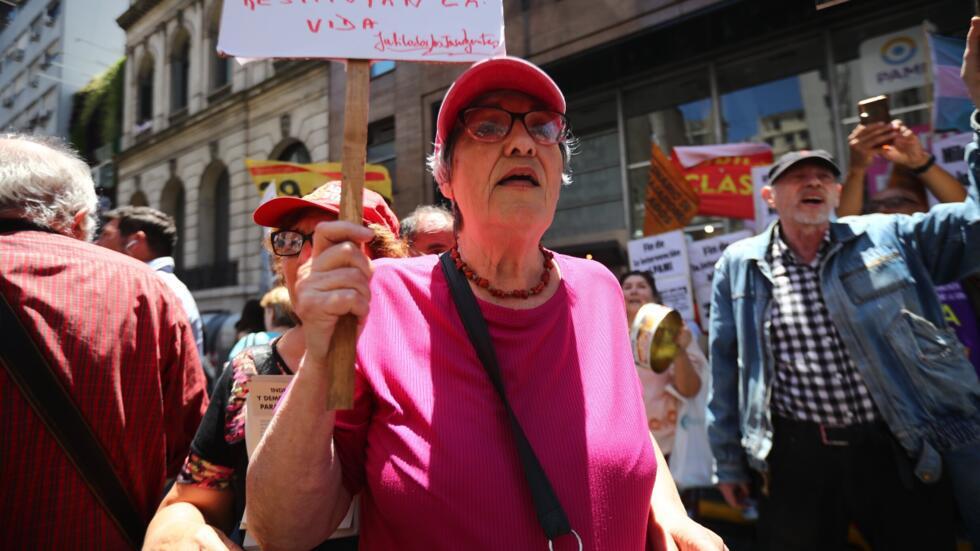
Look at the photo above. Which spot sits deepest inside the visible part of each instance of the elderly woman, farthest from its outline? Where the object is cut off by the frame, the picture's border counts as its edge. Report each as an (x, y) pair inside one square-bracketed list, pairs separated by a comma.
[(428, 444), (205, 506)]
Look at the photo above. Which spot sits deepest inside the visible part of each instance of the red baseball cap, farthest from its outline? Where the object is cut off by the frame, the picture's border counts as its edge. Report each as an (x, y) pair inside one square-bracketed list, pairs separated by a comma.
[(488, 75), (326, 198)]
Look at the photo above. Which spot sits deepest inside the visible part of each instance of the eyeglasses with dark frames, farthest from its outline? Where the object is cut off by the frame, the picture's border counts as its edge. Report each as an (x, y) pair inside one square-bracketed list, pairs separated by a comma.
[(289, 242), (492, 124)]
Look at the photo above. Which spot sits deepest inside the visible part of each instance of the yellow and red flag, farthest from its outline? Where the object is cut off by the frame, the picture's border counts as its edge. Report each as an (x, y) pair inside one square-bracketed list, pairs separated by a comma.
[(297, 180)]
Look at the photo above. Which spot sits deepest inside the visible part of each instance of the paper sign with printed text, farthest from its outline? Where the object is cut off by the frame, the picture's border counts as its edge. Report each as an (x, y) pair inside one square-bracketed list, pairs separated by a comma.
[(703, 255), (670, 203), (264, 392), (663, 255), (400, 30), (950, 152), (764, 214)]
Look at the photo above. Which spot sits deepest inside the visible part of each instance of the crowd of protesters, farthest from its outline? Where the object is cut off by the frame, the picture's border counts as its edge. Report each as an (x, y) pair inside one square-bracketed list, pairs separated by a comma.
[(498, 399)]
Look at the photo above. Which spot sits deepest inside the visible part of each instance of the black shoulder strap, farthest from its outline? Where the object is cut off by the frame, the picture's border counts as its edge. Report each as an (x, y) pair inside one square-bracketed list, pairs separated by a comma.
[(552, 517), (56, 408)]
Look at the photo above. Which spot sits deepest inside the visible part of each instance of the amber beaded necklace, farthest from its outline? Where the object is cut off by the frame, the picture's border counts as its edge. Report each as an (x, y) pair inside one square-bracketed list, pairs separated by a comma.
[(516, 293)]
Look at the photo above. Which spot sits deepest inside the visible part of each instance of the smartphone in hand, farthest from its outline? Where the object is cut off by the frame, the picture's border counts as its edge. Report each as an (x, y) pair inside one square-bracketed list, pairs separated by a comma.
[(873, 110)]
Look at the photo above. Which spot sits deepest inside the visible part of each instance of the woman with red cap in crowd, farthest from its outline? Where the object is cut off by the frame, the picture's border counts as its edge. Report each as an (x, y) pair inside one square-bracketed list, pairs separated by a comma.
[(204, 507), (429, 444)]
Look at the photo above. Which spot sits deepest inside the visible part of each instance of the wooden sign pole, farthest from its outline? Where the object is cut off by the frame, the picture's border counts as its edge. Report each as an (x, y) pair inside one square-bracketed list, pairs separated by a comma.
[(343, 344)]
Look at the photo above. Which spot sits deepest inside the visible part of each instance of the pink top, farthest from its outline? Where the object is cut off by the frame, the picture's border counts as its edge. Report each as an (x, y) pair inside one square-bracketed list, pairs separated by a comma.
[(428, 440)]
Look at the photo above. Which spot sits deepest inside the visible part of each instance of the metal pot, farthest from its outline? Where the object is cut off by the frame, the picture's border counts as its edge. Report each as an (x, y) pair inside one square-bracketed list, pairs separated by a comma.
[(652, 336)]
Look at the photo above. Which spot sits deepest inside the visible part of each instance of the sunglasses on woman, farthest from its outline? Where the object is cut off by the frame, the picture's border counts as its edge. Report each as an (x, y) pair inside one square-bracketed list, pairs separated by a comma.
[(289, 242), (492, 124)]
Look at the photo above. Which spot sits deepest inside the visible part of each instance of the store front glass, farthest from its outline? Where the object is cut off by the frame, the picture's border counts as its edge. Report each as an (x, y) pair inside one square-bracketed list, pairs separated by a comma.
[(778, 98), (593, 203), (669, 113), (795, 90)]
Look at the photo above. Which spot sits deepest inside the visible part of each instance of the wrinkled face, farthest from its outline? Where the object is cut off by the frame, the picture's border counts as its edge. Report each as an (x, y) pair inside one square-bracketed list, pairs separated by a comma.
[(510, 184), (806, 194), (637, 292), (111, 238), (434, 235)]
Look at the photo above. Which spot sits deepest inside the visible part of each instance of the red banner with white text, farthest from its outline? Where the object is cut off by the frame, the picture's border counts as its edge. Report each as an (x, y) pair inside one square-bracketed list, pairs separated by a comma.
[(722, 176)]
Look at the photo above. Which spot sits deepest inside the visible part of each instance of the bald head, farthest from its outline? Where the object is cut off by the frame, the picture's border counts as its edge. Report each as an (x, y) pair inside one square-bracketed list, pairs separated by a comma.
[(44, 182)]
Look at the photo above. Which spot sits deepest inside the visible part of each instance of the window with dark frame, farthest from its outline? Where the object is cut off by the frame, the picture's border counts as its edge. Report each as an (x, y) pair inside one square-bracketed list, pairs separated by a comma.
[(381, 146)]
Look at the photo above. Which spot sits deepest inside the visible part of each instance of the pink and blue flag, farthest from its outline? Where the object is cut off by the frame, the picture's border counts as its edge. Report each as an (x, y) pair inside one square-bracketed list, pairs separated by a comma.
[(951, 103)]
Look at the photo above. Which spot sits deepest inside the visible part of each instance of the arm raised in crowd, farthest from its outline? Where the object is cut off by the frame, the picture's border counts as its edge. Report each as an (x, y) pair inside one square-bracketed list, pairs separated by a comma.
[(949, 235), (905, 150), (296, 497)]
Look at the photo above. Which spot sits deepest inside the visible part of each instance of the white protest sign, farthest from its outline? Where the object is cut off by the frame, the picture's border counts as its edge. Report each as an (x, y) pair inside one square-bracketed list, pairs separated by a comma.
[(264, 392), (764, 214), (894, 61), (663, 255), (703, 255), (409, 30), (260, 404), (676, 293), (950, 155)]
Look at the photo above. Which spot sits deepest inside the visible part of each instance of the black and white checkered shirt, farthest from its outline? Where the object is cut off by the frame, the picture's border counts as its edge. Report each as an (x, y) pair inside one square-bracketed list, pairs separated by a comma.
[(816, 380)]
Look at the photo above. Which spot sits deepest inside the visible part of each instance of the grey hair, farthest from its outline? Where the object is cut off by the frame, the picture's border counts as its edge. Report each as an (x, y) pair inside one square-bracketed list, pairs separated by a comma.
[(410, 224), (440, 162), (44, 181)]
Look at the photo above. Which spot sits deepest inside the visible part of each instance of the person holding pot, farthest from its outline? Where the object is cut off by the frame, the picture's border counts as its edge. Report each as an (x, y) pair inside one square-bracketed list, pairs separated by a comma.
[(667, 384), (429, 444)]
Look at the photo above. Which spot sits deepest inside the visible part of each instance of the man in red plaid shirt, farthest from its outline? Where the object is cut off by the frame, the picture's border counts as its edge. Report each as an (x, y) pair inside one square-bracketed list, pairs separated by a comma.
[(115, 335)]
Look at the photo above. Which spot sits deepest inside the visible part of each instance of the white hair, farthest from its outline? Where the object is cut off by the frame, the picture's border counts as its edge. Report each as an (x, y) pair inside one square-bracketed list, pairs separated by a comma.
[(45, 182), (410, 224)]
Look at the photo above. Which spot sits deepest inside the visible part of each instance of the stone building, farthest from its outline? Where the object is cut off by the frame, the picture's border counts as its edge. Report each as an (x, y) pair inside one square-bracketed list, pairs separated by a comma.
[(191, 118), (671, 72)]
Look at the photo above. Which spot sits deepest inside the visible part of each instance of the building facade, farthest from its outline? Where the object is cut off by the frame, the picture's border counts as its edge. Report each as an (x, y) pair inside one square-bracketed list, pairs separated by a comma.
[(49, 49), (190, 119), (670, 72), (674, 73)]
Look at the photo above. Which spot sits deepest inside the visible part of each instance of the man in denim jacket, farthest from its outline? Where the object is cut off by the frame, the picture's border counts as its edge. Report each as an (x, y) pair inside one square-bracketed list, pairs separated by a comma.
[(834, 373)]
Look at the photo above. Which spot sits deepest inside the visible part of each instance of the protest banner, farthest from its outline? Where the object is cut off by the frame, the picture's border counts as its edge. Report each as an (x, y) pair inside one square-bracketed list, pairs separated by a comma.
[(950, 152), (264, 392), (951, 105), (722, 176), (400, 30), (702, 256), (959, 315), (358, 31), (665, 257), (670, 203), (297, 180)]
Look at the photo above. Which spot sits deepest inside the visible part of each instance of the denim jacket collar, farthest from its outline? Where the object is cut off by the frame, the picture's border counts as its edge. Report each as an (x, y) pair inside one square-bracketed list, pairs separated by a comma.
[(839, 233)]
